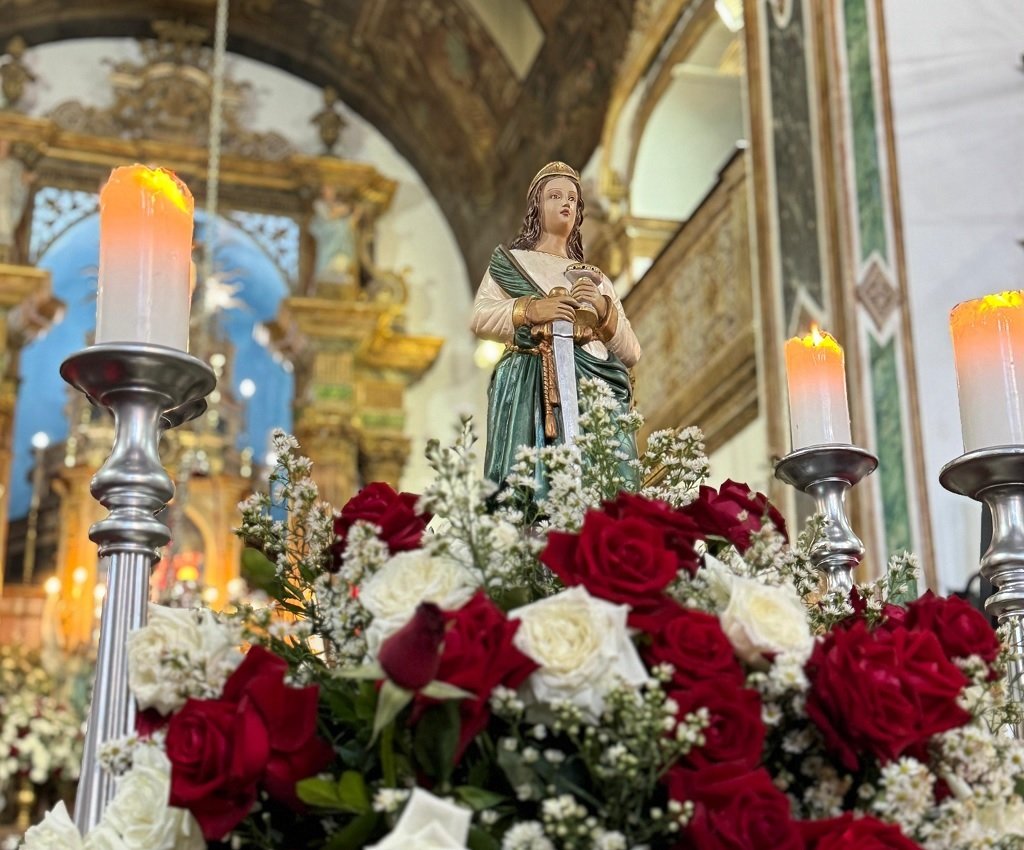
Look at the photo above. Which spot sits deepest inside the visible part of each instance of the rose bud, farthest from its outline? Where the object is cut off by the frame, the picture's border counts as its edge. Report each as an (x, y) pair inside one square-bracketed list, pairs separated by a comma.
[(411, 657)]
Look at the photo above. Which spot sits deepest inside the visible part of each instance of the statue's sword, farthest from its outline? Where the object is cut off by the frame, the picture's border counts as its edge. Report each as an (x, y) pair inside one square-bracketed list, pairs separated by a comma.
[(565, 372)]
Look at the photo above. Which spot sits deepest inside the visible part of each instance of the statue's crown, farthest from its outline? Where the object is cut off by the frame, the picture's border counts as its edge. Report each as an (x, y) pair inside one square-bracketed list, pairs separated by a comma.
[(553, 169)]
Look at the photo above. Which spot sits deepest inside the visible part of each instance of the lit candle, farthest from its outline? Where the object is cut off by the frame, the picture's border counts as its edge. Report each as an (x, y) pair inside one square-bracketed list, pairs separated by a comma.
[(145, 251), (818, 409), (988, 346)]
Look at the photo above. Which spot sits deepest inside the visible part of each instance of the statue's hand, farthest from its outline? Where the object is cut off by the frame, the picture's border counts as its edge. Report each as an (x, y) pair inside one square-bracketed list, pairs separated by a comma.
[(586, 290), (553, 308)]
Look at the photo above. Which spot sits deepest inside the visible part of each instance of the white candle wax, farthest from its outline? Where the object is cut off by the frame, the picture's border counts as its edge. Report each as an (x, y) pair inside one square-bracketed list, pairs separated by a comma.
[(819, 412), (145, 251), (988, 347)]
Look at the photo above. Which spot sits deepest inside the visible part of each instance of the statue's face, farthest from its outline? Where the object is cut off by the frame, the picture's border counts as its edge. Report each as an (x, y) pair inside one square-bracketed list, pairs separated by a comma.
[(558, 202)]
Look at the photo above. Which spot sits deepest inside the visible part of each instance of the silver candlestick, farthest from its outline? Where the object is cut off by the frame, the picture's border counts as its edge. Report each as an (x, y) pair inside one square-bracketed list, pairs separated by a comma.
[(147, 388), (826, 473), (995, 476)]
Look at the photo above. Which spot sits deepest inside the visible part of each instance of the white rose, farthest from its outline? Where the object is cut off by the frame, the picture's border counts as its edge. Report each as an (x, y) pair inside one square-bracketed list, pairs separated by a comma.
[(103, 837), (764, 619), (193, 636), (583, 647), (1001, 818), (56, 830), (428, 823), (393, 593), (140, 812)]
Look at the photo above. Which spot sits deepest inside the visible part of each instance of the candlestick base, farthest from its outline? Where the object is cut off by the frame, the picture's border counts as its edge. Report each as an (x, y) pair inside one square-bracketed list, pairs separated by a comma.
[(147, 388), (826, 473)]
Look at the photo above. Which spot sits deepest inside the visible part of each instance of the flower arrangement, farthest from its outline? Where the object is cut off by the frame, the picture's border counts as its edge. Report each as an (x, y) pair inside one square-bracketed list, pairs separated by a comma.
[(560, 664), (40, 728)]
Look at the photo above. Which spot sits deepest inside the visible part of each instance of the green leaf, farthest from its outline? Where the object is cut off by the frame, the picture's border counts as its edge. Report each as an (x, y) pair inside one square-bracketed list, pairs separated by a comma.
[(260, 572), (322, 793), (443, 690), (352, 793), (477, 798), (480, 840), (354, 835), (436, 739), (367, 671), (390, 702)]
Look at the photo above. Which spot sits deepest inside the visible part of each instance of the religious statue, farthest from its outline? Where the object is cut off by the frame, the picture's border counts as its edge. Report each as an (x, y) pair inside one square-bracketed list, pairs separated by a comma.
[(15, 75), (334, 227), (14, 183), (328, 121), (522, 301)]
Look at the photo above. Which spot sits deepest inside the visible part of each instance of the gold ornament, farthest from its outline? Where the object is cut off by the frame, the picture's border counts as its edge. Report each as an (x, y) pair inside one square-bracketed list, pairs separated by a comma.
[(553, 169)]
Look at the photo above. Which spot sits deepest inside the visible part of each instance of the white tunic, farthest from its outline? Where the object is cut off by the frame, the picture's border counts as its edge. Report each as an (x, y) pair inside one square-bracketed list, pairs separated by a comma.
[(492, 309)]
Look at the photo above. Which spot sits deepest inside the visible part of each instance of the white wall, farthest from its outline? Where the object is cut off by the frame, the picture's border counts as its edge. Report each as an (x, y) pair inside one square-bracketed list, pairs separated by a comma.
[(413, 234), (958, 98), (690, 134)]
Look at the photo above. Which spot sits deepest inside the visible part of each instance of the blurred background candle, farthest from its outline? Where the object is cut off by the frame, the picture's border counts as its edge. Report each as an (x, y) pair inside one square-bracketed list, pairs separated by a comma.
[(818, 408), (988, 345), (145, 252)]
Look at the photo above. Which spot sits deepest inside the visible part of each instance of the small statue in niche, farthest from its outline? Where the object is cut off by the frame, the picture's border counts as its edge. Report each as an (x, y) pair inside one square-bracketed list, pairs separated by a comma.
[(15, 75), (14, 192), (328, 121), (334, 226)]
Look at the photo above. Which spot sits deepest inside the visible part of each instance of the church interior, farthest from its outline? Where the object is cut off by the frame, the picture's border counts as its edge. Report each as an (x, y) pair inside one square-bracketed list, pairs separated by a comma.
[(750, 168)]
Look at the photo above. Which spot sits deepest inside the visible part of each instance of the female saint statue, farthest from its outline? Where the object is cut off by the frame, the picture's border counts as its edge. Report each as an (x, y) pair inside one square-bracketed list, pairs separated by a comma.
[(516, 301)]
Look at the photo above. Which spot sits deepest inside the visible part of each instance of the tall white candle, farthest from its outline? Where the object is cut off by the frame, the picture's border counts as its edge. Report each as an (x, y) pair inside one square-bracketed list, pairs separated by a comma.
[(988, 346), (145, 251), (819, 412)]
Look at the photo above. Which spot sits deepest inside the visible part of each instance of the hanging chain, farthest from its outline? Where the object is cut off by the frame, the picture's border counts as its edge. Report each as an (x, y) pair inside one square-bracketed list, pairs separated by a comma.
[(220, 40)]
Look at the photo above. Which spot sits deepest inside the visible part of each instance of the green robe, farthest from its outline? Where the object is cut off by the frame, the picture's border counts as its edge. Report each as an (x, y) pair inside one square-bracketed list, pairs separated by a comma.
[(515, 406)]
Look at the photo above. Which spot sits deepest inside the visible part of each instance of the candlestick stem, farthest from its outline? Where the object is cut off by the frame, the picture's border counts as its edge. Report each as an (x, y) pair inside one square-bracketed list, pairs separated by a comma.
[(995, 476), (146, 388), (826, 473)]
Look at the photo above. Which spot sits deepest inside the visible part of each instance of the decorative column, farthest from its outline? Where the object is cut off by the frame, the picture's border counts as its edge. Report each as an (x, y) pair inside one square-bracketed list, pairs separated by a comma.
[(27, 308), (829, 244), (352, 368)]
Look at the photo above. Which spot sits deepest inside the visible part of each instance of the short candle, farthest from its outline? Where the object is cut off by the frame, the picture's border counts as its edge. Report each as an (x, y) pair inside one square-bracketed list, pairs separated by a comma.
[(988, 347), (819, 412), (145, 251)]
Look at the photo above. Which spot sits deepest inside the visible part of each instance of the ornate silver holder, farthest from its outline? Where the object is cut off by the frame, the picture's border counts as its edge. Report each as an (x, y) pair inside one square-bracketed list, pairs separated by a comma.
[(995, 476), (147, 388), (826, 473)]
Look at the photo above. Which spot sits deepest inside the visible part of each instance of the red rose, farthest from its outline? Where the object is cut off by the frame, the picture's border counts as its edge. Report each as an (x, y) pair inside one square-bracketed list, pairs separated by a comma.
[(394, 513), (478, 656), (411, 656), (736, 734), (734, 512), (882, 692), (680, 530), (893, 616), (260, 734), (734, 809), (695, 645), (850, 833), (289, 714), (961, 629), (622, 560)]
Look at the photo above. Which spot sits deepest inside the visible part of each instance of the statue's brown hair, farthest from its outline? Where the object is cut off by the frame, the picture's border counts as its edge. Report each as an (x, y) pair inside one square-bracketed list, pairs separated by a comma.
[(530, 232)]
